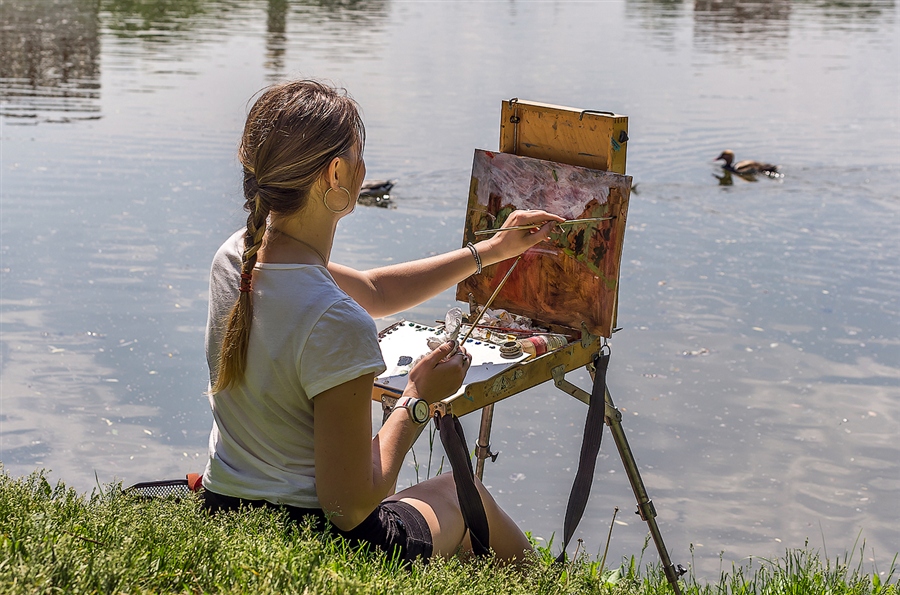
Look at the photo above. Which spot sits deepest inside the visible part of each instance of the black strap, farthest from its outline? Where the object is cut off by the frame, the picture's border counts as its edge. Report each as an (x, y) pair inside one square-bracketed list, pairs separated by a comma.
[(590, 447), (454, 440)]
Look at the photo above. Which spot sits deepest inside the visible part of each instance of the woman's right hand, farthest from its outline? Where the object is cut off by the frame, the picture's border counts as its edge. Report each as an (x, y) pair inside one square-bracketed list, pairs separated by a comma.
[(434, 379), (512, 243)]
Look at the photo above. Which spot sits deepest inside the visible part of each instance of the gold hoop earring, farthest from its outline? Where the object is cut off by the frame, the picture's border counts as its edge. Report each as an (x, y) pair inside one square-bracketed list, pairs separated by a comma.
[(346, 206)]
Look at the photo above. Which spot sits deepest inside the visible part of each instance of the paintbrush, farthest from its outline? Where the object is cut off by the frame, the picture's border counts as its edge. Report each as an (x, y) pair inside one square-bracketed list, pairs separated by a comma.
[(484, 232), (486, 306), (509, 330)]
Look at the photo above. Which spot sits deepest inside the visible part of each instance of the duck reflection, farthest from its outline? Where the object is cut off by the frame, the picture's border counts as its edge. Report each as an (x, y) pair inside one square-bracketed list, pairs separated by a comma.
[(49, 61), (725, 179)]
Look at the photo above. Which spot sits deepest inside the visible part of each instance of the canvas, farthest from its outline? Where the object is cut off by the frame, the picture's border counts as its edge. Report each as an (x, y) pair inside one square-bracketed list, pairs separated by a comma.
[(573, 277)]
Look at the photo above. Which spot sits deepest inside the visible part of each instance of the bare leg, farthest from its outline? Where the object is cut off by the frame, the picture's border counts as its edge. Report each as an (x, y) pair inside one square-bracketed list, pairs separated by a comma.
[(436, 500), (507, 540)]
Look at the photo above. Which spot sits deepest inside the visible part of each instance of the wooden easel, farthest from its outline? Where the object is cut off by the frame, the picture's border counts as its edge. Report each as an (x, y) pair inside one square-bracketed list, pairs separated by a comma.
[(585, 139), (596, 140)]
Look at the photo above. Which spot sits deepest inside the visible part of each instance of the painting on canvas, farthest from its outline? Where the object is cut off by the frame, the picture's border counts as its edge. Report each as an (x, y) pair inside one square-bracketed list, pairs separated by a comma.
[(572, 277)]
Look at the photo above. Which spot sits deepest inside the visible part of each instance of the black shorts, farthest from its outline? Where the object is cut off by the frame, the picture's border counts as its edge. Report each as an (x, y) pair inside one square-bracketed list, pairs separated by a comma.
[(395, 527)]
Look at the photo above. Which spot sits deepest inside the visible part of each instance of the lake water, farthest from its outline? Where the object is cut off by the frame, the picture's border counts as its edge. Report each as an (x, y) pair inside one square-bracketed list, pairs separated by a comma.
[(759, 363)]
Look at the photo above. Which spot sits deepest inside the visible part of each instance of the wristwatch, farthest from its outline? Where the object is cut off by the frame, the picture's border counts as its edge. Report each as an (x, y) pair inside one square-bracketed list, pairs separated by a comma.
[(418, 408)]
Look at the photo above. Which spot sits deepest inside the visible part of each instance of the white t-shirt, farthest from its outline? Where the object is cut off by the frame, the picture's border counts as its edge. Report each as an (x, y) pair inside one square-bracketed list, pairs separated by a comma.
[(307, 336)]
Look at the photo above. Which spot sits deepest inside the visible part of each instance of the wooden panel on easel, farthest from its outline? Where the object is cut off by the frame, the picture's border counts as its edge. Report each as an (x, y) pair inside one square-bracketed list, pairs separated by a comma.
[(564, 135), (574, 276)]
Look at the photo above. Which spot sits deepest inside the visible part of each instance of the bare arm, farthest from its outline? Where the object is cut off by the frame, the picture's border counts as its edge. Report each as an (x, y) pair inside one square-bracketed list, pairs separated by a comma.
[(387, 290), (355, 472)]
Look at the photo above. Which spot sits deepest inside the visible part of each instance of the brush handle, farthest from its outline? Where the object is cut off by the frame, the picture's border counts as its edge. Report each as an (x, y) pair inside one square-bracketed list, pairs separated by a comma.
[(484, 232), (490, 301)]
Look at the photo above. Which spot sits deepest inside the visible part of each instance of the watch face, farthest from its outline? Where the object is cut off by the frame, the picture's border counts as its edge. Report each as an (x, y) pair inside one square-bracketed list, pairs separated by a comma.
[(420, 411)]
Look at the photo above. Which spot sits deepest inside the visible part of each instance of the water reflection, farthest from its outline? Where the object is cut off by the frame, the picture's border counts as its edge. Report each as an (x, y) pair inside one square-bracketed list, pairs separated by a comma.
[(338, 30), (157, 21), (49, 61), (276, 38), (49, 51), (659, 16), (349, 25), (168, 20), (877, 11), (359, 12), (755, 28)]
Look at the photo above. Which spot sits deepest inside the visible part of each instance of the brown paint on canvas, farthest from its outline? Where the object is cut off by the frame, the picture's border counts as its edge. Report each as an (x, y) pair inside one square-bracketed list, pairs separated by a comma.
[(571, 278)]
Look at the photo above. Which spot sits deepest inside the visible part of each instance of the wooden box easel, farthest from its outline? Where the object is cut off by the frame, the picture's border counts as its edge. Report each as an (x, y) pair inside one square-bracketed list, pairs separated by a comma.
[(590, 139), (559, 135), (586, 148)]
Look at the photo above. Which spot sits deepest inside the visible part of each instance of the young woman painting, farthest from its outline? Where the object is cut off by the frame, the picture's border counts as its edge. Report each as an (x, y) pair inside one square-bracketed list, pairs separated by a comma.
[(293, 351)]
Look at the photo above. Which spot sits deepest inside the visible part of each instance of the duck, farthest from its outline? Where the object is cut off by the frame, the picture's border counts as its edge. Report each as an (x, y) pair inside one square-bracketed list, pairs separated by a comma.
[(745, 168), (374, 188)]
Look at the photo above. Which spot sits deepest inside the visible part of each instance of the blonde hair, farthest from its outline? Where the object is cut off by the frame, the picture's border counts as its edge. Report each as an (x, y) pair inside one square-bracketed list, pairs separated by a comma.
[(292, 133)]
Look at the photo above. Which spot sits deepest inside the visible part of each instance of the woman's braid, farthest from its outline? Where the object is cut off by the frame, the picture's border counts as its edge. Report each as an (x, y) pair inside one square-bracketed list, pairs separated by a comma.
[(256, 221)]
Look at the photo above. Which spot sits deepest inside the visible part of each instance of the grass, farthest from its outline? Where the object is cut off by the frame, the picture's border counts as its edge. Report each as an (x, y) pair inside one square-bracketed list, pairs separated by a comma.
[(54, 540)]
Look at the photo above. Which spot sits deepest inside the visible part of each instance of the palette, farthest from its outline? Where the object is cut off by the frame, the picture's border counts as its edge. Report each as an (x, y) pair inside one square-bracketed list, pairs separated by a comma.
[(404, 342)]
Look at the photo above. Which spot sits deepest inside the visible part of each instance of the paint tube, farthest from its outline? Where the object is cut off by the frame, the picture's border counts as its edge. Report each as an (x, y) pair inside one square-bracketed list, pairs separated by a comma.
[(541, 344)]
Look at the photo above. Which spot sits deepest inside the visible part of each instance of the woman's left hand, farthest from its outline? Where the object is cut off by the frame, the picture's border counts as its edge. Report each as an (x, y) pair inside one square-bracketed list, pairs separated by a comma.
[(438, 374), (507, 244)]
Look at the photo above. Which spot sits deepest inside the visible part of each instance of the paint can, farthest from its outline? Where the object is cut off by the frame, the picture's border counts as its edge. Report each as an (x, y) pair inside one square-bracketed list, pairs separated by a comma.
[(510, 349)]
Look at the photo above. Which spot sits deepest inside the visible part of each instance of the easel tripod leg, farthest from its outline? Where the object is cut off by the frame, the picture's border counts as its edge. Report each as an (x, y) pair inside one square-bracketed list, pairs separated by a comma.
[(644, 504), (483, 444)]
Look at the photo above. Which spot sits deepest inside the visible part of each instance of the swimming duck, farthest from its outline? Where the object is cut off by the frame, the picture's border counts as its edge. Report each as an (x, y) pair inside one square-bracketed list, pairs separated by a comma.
[(745, 168), (376, 187)]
